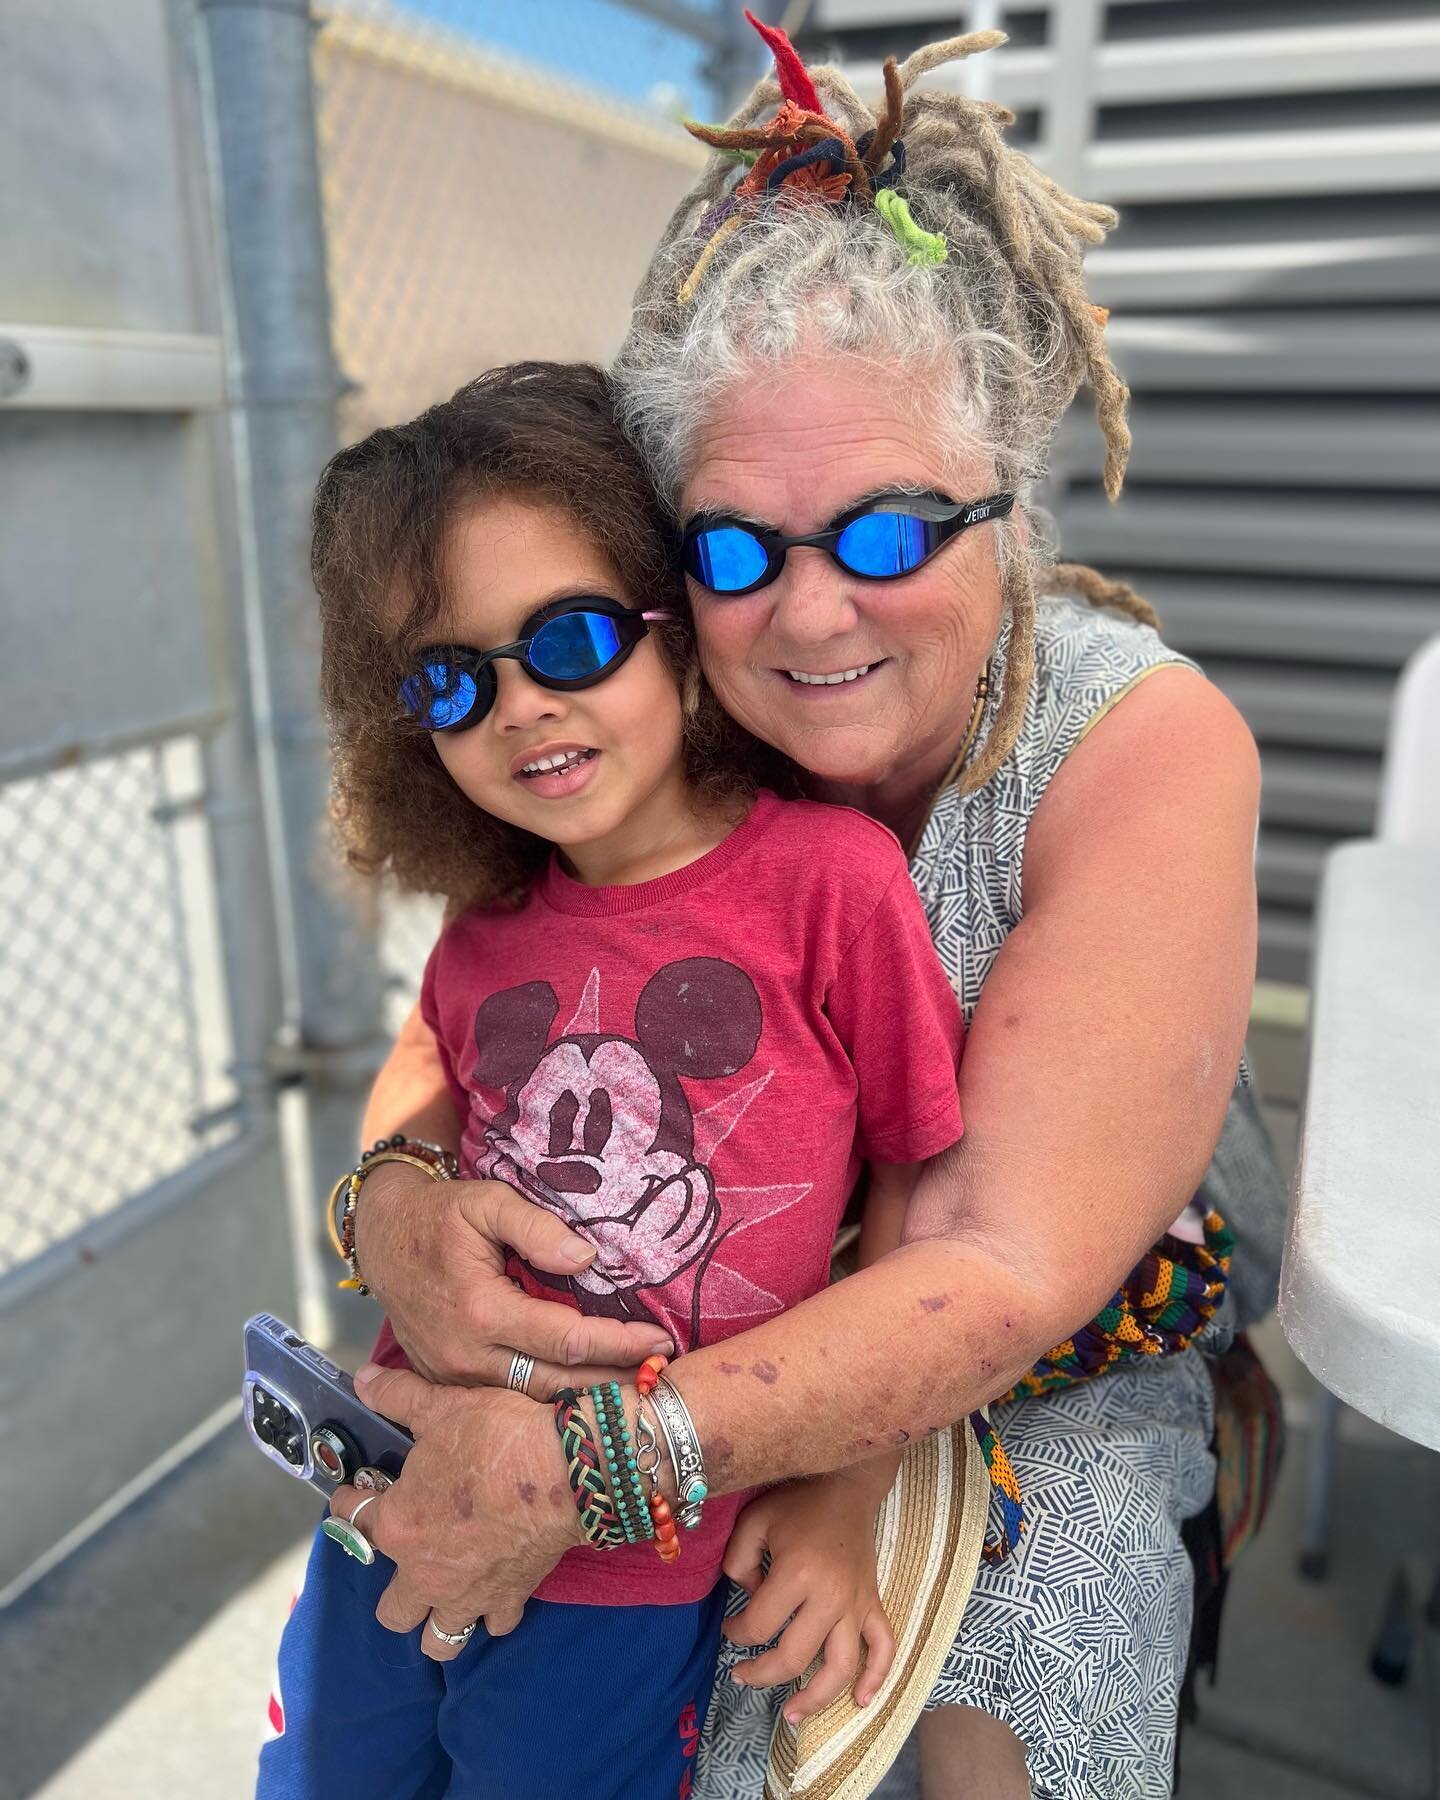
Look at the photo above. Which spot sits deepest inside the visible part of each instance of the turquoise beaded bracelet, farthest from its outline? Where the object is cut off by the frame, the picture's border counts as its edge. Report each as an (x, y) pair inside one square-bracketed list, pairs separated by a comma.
[(619, 1453)]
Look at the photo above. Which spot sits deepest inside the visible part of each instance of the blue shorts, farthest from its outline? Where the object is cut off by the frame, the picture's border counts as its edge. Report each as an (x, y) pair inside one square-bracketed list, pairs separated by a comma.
[(607, 1701)]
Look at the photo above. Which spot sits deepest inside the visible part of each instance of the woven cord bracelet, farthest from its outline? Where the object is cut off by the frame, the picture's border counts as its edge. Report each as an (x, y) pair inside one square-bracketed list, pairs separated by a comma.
[(598, 1517)]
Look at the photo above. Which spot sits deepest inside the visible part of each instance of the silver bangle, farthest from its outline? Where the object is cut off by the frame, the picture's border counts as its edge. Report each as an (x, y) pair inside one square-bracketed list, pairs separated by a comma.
[(683, 1442)]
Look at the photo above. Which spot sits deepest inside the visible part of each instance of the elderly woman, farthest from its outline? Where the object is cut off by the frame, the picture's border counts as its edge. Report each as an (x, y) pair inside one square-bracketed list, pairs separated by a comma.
[(872, 306)]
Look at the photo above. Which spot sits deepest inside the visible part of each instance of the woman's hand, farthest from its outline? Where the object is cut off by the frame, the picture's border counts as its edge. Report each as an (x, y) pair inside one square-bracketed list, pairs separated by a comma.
[(433, 1253), (480, 1515), (821, 1538)]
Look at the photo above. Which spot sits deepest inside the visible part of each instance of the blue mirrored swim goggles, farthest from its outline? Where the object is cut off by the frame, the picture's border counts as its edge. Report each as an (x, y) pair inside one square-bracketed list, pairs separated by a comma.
[(879, 540), (569, 644)]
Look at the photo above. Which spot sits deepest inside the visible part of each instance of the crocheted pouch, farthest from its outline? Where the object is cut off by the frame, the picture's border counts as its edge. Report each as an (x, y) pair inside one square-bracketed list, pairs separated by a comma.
[(1158, 1310)]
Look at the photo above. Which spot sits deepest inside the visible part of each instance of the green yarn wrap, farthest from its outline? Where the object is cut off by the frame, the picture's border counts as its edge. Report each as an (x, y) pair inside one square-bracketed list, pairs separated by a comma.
[(923, 246)]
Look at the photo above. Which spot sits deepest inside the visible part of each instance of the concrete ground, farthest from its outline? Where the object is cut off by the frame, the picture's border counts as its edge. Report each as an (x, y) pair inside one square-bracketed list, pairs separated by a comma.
[(139, 1668)]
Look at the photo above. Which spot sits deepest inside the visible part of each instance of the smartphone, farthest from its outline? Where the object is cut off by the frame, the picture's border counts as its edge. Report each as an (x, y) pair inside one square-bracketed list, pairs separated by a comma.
[(303, 1411)]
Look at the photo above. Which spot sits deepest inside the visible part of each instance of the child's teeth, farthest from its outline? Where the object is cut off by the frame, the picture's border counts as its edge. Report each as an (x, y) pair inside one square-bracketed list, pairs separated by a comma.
[(544, 764)]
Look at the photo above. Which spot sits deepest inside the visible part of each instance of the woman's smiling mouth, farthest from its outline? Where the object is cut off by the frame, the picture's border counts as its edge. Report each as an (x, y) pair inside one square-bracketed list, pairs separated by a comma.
[(816, 681)]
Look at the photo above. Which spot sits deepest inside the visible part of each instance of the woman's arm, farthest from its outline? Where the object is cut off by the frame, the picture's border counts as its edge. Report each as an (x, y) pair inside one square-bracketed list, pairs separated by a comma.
[(1094, 1085)]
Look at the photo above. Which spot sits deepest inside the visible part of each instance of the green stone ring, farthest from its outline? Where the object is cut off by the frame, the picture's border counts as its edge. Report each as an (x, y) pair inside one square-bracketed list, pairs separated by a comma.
[(348, 1535)]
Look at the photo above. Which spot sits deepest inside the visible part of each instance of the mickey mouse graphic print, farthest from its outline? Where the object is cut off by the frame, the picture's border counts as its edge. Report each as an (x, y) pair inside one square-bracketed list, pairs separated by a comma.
[(690, 1072), (597, 1129)]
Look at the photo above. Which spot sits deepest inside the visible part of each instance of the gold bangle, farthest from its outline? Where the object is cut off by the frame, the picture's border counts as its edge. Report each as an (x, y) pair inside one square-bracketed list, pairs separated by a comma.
[(339, 1192), (377, 1157), (347, 1190)]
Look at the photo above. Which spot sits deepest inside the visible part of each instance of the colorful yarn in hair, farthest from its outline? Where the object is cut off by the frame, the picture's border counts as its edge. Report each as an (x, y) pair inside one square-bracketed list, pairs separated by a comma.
[(923, 246), (795, 82), (804, 153)]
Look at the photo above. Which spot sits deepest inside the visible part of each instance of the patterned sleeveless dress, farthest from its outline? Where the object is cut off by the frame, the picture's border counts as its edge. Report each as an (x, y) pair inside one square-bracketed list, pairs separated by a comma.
[(1078, 1640)]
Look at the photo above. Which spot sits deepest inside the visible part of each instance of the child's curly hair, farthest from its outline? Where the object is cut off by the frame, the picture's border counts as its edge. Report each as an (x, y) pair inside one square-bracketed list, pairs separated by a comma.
[(383, 512)]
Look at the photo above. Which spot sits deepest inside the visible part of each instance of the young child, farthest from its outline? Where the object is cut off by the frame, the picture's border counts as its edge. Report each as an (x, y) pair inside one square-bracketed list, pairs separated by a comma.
[(672, 1008)]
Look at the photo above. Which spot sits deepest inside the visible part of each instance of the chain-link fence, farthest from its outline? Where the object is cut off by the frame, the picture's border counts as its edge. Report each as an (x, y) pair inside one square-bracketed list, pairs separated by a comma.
[(477, 209), (112, 1061)]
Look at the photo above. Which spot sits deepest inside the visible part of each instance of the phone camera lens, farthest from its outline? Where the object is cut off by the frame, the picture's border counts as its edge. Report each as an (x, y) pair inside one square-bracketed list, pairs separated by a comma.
[(277, 1426)]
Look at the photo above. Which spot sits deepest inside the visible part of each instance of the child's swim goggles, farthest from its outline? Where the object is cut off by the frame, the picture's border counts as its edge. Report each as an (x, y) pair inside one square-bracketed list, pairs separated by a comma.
[(569, 644), (879, 540)]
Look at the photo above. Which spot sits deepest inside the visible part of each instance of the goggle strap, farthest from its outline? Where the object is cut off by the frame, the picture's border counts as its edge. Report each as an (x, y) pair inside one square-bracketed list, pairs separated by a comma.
[(997, 506)]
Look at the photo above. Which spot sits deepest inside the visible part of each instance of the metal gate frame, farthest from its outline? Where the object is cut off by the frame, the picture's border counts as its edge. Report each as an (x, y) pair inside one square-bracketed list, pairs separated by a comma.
[(120, 1342)]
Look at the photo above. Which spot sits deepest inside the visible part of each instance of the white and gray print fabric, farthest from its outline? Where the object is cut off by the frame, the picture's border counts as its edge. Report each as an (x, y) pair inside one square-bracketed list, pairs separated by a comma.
[(1077, 1641)]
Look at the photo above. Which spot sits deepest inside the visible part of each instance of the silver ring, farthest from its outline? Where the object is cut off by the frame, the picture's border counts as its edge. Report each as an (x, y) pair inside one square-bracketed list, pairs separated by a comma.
[(451, 1637), (522, 1367), (361, 1507)]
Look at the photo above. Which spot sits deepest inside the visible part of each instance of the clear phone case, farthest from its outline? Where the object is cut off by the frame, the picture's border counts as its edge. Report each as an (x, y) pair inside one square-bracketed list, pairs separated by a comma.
[(304, 1414)]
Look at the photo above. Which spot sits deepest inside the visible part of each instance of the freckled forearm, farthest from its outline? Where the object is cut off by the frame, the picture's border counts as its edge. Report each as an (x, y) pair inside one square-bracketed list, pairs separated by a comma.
[(895, 1351)]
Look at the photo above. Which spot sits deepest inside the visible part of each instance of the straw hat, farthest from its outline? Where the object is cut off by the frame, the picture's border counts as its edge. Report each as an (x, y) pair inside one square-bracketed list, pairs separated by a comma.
[(927, 1549)]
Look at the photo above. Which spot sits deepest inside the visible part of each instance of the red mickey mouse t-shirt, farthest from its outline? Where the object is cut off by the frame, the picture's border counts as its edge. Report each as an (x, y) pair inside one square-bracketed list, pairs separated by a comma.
[(689, 1072)]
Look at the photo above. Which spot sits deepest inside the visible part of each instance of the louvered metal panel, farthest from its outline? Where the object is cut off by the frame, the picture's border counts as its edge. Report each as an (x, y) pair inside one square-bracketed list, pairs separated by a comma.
[(1319, 790), (1300, 249), (1334, 442), (1288, 864), (1273, 287), (1265, 162), (1284, 942), (1385, 350), (1307, 59), (1361, 260), (1339, 534), (1323, 709), (1349, 624)]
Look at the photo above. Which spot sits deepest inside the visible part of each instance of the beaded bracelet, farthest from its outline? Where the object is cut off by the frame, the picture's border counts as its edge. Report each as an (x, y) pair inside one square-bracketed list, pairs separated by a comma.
[(647, 1464), (598, 1516), (620, 1461), (647, 1460), (437, 1162)]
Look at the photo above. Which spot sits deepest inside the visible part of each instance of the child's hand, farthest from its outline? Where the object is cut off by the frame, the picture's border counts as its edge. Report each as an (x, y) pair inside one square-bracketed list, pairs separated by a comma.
[(821, 1538)]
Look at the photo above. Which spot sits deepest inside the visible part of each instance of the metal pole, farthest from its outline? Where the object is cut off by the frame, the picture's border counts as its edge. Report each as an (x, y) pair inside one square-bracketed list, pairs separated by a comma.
[(288, 383), (736, 56), (1069, 129)]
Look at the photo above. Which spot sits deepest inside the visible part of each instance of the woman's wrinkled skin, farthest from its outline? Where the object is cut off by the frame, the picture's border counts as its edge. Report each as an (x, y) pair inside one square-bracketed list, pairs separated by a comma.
[(794, 450), (444, 1517)]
